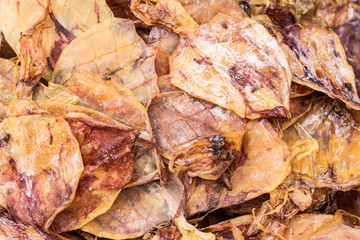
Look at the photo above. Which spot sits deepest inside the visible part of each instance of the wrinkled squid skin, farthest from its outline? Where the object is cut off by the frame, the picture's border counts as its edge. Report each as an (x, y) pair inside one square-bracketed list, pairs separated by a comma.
[(108, 154), (317, 60), (264, 164), (196, 136), (11, 229), (235, 63)]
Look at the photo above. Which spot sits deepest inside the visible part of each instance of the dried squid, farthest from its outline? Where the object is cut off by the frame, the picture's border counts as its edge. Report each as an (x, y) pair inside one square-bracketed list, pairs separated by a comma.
[(113, 50), (324, 145), (318, 60), (109, 97), (196, 136), (231, 61), (138, 210), (216, 62), (144, 169), (298, 107), (264, 164), (41, 161), (64, 21)]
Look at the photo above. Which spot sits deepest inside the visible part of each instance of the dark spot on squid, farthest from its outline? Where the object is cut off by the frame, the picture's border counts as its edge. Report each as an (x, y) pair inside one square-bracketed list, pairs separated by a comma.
[(331, 172), (224, 25), (246, 7), (7, 137), (253, 89), (106, 78), (12, 163), (213, 202), (348, 86), (217, 138), (219, 148), (336, 54), (5, 140), (51, 136), (96, 10)]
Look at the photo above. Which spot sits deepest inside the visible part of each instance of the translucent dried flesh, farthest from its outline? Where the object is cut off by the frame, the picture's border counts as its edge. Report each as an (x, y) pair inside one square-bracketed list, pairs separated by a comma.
[(324, 146), (108, 167), (204, 10), (167, 40), (164, 83), (263, 166), (196, 136), (11, 229), (214, 62), (138, 210), (317, 60), (320, 226), (111, 49)]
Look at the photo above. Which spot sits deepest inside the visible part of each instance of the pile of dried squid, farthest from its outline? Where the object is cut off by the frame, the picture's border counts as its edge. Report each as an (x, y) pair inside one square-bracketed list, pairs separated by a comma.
[(179, 119)]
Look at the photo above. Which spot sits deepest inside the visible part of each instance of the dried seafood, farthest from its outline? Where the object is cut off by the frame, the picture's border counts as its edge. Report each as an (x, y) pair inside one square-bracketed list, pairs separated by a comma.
[(179, 119)]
